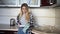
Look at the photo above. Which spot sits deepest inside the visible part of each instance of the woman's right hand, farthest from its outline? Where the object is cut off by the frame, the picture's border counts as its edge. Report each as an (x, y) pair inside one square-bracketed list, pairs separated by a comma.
[(18, 25)]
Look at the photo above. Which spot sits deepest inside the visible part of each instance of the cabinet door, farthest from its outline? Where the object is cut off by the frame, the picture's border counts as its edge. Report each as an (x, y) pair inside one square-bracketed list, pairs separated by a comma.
[(2, 32)]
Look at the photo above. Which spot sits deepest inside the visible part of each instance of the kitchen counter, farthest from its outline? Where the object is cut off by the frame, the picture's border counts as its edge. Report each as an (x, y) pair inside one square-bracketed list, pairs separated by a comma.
[(7, 29)]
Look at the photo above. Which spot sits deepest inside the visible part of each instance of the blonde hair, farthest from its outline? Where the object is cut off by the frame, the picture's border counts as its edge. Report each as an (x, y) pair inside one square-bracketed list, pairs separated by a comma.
[(27, 13)]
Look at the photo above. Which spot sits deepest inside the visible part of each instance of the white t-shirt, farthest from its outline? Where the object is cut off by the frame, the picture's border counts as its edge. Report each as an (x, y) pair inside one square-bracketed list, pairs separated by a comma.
[(22, 21)]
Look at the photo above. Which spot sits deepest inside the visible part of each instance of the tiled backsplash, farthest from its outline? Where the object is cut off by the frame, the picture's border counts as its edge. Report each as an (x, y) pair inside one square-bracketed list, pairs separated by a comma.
[(43, 16)]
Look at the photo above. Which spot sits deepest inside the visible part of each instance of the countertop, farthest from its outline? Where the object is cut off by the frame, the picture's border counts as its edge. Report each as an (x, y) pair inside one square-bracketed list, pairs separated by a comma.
[(15, 28), (8, 27)]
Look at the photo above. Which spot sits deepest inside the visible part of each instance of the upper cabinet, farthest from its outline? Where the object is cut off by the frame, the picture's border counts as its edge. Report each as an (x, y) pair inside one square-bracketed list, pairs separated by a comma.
[(31, 3), (17, 3)]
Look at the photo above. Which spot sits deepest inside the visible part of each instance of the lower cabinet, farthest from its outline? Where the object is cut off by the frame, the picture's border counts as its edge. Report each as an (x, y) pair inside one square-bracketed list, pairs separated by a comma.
[(8, 32)]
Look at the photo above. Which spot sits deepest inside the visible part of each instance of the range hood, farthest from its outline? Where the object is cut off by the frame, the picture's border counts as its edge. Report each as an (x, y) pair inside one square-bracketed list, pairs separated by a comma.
[(51, 3), (57, 4)]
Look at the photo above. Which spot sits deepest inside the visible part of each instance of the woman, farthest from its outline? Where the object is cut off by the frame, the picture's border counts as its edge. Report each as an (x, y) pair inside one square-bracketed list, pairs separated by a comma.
[(24, 20)]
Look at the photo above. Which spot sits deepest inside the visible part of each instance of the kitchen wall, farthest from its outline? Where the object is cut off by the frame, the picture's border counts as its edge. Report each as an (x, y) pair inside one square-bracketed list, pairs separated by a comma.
[(7, 13), (43, 16), (57, 20), (58, 2)]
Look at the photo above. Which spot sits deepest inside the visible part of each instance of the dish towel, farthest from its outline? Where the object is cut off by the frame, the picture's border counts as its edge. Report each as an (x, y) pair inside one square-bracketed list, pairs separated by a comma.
[(26, 27)]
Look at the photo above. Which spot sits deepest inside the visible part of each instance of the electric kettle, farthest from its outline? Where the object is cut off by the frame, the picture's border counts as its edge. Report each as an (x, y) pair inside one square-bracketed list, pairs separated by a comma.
[(12, 22)]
